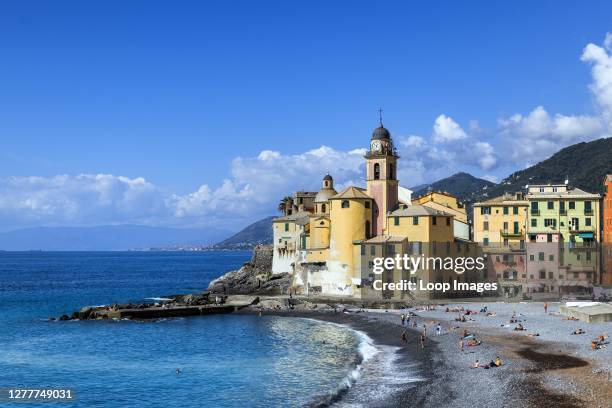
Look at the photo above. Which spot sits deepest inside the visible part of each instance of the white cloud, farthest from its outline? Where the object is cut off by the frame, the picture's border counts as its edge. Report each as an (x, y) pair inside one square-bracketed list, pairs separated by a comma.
[(447, 130), (536, 136), (413, 142), (486, 155), (601, 60), (255, 186)]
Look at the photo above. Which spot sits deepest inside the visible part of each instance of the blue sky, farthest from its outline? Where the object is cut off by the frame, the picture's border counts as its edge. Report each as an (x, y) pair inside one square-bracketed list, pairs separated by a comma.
[(158, 112)]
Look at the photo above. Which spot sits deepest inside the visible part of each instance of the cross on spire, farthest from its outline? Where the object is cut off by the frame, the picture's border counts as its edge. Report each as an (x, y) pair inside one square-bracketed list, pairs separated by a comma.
[(380, 111)]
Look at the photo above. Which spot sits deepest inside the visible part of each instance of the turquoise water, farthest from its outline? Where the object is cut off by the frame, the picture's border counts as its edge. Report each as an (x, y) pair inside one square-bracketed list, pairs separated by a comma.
[(225, 361)]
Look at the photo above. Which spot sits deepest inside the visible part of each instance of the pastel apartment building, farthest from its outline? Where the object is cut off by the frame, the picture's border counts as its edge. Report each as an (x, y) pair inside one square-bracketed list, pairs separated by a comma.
[(606, 274), (500, 226)]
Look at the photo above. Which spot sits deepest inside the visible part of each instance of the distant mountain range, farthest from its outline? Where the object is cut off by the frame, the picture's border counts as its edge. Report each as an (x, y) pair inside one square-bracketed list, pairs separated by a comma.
[(584, 165), (106, 238), (462, 185), (259, 232)]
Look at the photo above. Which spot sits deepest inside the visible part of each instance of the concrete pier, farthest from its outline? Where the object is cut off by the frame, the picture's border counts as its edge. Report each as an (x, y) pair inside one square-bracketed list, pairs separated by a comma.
[(231, 304)]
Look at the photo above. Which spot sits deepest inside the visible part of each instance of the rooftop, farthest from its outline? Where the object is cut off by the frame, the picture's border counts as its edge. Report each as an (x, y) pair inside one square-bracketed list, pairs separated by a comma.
[(418, 210), (570, 192), (351, 192), (381, 239), (298, 217), (506, 198)]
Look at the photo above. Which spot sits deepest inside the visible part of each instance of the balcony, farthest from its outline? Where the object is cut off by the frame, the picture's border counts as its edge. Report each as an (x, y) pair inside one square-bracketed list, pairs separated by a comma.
[(512, 234), (583, 246), (582, 228)]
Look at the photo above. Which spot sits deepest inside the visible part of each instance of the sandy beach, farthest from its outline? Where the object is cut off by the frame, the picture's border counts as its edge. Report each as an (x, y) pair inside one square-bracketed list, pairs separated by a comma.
[(554, 369)]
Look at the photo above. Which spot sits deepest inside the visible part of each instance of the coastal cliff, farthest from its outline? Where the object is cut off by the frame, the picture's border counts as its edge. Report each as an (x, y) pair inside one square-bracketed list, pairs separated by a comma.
[(254, 277)]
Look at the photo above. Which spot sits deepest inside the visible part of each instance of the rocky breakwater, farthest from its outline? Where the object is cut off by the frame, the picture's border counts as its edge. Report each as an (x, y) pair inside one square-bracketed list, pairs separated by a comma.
[(254, 277)]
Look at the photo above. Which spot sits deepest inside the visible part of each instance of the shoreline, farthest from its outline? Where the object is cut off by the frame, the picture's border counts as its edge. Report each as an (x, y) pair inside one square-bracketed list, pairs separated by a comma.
[(536, 372)]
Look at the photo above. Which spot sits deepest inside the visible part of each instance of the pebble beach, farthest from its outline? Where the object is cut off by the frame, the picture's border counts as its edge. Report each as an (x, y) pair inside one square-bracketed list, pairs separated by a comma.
[(554, 369)]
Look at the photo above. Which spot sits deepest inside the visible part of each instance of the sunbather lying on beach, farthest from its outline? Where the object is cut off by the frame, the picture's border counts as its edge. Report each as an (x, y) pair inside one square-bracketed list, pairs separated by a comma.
[(599, 343), (473, 342), (595, 345), (578, 331), (570, 318), (533, 334), (476, 364), (491, 314), (519, 327)]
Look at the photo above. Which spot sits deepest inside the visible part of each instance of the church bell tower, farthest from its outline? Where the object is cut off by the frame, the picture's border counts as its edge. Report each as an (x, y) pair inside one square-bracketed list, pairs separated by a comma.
[(381, 176)]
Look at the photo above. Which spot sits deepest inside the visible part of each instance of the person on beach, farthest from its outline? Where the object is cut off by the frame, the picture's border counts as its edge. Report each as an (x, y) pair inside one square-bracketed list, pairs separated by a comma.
[(498, 361), (404, 337), (422, 341), (476, 364), (545, 307), (578, 331), (461, 345), (438, 329), (403, 318)]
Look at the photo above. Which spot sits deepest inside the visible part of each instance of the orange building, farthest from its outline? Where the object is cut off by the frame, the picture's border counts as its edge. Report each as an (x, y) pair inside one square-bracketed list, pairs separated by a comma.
[(606, 277)]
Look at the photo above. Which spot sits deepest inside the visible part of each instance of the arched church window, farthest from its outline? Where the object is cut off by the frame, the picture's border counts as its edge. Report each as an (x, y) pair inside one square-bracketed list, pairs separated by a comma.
[(392, 172), (367, 204), (376, 171), (345, 204), (322, 207)]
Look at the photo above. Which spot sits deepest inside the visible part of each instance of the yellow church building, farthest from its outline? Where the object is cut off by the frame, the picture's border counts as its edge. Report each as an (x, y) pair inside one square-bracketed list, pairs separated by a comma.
[(327, 243)]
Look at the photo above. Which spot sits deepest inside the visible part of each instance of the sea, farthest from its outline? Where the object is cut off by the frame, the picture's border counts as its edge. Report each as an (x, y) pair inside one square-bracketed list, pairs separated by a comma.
[(218, 361)]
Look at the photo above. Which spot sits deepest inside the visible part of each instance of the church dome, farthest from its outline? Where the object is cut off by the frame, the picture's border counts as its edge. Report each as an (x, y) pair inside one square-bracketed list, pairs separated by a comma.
[(381, 133), (328, 177), (324, 195)]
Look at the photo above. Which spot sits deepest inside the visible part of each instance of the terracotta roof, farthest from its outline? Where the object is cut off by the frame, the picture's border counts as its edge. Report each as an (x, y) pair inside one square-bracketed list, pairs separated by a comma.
[(351, 192)]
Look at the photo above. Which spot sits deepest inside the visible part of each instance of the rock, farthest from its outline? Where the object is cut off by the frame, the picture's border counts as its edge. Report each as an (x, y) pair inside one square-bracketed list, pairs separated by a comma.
[(64, 317), (254, 277)]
